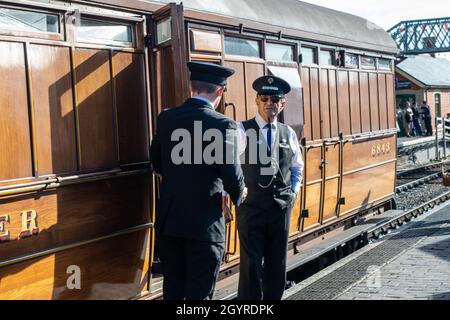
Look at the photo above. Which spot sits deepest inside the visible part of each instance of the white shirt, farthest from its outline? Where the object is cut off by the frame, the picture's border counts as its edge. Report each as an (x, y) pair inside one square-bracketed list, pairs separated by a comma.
[(297, 160)]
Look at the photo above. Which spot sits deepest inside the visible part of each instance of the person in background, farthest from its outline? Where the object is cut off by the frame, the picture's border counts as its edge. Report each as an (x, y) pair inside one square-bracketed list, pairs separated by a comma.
[(409, 120), (426, 115), (416, 121)]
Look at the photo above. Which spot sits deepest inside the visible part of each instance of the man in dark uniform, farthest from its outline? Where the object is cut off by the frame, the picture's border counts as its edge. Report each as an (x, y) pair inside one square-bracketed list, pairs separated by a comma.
[(190, 224), (273, 183)]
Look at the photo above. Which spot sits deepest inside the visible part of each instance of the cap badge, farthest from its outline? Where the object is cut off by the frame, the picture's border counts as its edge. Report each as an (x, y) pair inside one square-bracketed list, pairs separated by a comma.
[(270, 80)]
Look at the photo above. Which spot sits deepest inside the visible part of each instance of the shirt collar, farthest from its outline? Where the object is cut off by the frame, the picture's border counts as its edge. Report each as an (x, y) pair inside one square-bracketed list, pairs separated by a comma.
[(262, 123), (204, 100)]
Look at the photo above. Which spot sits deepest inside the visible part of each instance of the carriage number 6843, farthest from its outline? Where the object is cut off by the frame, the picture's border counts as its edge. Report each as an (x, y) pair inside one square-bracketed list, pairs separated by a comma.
[(381, 149)]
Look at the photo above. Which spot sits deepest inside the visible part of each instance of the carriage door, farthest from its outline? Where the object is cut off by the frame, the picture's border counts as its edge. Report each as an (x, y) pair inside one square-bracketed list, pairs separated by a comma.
[(169, 82), (170, 85)]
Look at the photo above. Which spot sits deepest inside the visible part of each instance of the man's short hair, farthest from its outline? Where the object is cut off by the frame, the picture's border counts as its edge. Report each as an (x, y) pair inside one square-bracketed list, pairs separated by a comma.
[(203, 87)]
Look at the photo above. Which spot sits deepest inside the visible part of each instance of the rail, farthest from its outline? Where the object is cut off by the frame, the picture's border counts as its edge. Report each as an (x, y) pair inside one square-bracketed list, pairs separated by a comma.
[(56, 182)]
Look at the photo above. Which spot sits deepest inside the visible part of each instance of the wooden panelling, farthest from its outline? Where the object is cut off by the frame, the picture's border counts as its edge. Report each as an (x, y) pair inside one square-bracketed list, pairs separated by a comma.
[(164, 80), (331, 199), (76, 213), (236, 91), (391, 101), (314, 160), (334, 115), (15, 144), (313, 205), (374, 109), (343, 102), (95, 109), (252, 72), (332, 160), (315, 105), (382, 101), (293, 227), (54, 112), (306, 103), (206, 41), (365, 103), (366, 153), (354, 102), (360, 189), (324, 104), (115, 268), (129, 81)]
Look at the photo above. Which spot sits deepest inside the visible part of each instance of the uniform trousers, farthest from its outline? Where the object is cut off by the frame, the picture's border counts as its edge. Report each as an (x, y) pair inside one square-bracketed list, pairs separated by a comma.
[(190, 267), (263, 236)]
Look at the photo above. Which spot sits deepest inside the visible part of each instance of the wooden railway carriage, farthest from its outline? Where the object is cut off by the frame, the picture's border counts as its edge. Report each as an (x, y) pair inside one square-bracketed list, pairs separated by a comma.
[(82, 83)]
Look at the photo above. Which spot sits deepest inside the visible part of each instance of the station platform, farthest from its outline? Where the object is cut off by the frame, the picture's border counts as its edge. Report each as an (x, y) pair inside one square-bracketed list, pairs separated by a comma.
[(413, 262), (407, 142)]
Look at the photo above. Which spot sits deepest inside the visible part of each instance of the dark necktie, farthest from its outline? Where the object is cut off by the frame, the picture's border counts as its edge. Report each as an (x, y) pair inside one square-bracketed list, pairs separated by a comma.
[(269, 139)]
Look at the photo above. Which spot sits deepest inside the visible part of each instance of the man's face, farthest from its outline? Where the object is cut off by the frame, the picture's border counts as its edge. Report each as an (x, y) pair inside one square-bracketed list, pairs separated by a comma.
[(269, 107)]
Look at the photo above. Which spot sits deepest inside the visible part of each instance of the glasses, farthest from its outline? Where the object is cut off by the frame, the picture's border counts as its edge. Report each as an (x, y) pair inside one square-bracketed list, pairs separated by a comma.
[(274, 99)]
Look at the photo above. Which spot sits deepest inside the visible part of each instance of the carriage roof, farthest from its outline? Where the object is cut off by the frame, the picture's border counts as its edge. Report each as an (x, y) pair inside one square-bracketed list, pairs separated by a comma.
[(301, 16)]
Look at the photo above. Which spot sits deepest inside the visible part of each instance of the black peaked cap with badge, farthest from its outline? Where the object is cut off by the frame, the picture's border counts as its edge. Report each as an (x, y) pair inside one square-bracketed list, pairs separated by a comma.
[(271, 86), (209, 72)]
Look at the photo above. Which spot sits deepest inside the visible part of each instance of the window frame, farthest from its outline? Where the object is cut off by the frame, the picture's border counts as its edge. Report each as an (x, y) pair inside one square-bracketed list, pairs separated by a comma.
[(383, 68), (108, 43), (259, 41), (315, 54), (61, 35), (332, 54), (286, 44), (374, 67)]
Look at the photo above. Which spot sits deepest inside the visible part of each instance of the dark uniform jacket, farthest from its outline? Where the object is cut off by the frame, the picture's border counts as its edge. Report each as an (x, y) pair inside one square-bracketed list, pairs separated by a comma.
[(269, 191), (191, 194)]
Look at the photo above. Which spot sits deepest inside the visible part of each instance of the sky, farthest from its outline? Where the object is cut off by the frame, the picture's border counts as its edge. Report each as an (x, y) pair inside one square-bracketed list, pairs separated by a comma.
[(387, 13)]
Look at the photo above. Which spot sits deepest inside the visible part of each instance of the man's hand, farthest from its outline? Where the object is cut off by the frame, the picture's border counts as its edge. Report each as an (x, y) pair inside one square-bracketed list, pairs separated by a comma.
[(244, 194)]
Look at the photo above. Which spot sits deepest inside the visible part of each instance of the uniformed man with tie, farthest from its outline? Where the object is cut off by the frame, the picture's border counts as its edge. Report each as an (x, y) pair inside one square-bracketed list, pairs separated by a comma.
[(190, 225), (273, 182)]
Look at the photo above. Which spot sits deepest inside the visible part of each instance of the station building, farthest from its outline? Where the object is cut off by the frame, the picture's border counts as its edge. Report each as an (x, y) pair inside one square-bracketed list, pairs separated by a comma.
[(424, 78)]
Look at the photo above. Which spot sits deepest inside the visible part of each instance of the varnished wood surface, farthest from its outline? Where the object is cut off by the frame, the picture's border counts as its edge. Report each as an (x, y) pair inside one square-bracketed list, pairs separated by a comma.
[(206, 41), (76, 213), (355, 102), (343, 102), (54, 111), (115, 268), (236, 91), (374, 107), (129, 88), (365, 103), (307, 129), (15, 140), (325, 104), (252, 72), (95, 109)]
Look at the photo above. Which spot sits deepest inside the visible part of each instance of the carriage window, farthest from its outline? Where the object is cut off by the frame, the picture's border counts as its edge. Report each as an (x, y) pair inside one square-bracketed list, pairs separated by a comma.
[(279, 52), (384, 64), (22, 20), (351, 60), (326, 57), (163, 30), (308, 55), (242, 47), (104, 31), (368, 63)]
